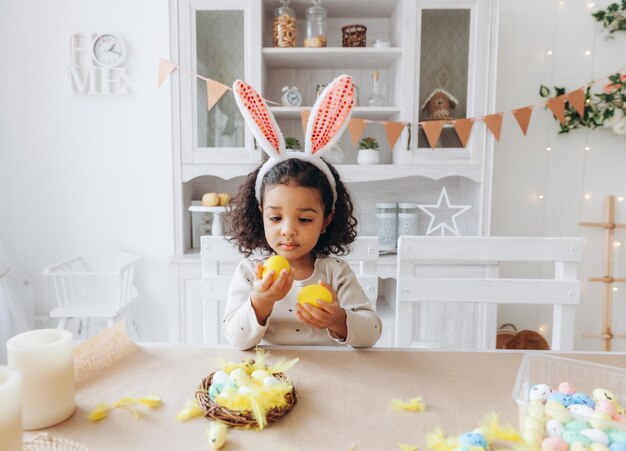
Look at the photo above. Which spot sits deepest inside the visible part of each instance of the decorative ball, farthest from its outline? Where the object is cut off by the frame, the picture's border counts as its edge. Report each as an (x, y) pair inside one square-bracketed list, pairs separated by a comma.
[(312, 293), (276, 263)]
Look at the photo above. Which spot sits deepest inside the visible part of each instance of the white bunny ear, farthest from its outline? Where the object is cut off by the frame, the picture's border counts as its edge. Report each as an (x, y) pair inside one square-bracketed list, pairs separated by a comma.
[(330, 116), (259, 118)]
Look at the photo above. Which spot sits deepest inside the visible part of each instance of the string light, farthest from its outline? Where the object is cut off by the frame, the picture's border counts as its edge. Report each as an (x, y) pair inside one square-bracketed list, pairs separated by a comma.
[(587, 196), (548, 149), (620, 198), (549, 52), (540, 197), (617, 244), (587, 52), (614, 288), (591, 5), (587, 148)]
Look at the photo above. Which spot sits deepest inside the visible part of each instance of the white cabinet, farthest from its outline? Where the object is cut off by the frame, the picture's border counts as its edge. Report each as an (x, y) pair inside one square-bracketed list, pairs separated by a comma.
[(448, 44)]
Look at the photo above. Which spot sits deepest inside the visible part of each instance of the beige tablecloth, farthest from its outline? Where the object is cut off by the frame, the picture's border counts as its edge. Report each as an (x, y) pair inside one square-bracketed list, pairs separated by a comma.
[(344, 398)]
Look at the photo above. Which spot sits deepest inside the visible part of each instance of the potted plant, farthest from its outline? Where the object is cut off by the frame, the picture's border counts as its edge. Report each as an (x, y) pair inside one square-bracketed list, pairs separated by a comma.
[(368, 151), (292, 143)]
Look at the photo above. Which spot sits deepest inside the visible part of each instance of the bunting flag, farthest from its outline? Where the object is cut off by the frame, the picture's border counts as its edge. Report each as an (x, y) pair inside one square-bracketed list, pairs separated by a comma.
[(463, 129), (165, 69), (356, 128), (557, 106), (304, 117), (393, 129), (432, 130), (494, 124), (214, 92), (577, 99), (522, 116)]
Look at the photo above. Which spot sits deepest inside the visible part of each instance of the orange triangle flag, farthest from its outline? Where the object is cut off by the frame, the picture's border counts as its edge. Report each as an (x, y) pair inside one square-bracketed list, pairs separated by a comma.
[(214, 92), (356, 127), (577, 99), (432, 129), (557, 106), (463, 129), (522, 115), (165, 69), (494, 124), (393, 130), (304, 117)]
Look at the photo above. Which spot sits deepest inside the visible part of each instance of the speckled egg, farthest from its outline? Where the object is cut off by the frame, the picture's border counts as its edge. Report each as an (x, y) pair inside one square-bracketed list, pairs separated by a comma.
[(566, 387), (554, 428), (556, 410), (598, 447), (596, 436), (617, 447), (601, 421), (576, 425), (616, 436), (539, 392), (554, 444), (473, 439), (603, 393), (563, 398), (584, 399), (578, 446), (581, 410), (571, 437), (214, 390)]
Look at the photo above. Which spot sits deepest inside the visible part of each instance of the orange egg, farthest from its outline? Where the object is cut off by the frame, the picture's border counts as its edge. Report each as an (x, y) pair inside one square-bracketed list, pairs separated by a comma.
[(312, 293), (276, 263)]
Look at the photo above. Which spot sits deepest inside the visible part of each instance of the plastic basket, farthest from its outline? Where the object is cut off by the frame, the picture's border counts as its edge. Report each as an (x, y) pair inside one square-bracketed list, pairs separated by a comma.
[(540, 368)]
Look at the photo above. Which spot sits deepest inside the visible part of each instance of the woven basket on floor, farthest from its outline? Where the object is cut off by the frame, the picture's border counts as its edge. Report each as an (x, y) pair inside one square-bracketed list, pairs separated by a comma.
[(239, 419)]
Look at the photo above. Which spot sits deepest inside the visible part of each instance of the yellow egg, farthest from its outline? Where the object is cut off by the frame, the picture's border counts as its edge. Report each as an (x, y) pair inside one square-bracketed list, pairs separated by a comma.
[(311, 294), (276, 263)]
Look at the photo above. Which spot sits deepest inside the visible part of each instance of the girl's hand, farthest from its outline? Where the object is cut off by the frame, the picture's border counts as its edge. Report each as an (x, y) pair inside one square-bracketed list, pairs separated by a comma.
[(267, 291), (329, 316)]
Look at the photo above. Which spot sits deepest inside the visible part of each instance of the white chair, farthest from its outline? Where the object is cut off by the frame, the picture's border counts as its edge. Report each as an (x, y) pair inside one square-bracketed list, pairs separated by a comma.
[(416, 288), (94, 287), (219, 259)]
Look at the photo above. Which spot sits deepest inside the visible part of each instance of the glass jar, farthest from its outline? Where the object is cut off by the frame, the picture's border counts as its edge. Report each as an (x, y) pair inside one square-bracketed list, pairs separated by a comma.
[(315, 18), (386, 225), (284, 25), (407, 219)]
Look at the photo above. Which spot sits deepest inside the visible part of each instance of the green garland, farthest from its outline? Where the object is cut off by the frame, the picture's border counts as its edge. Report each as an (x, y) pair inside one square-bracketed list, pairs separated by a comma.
[(613, 18), (607, 109)]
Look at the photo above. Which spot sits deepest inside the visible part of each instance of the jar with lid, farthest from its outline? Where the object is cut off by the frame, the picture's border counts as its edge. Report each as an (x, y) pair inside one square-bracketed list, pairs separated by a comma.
[(315, 19), (407, 219), (386, 225), (284, 25)]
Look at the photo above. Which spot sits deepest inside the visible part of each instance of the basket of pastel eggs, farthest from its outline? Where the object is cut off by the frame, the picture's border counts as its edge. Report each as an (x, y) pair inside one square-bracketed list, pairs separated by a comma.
[(248, 394)]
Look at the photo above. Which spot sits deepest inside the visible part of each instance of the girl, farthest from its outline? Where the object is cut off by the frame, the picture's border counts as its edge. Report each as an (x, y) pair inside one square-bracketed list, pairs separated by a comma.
[(295, 205)]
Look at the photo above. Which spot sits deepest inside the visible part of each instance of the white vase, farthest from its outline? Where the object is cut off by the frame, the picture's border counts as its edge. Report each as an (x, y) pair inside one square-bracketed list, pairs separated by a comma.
[(368, 156)]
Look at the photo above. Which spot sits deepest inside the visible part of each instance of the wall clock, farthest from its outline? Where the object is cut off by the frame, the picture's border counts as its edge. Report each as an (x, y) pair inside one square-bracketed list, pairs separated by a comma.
[(108, 50)]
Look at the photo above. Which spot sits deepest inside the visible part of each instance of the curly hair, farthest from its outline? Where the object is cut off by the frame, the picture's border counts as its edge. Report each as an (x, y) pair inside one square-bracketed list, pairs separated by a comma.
[(245, 220)]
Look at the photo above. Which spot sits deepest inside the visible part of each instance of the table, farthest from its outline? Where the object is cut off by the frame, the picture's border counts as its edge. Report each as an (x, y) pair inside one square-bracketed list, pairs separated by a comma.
[(343, 401)]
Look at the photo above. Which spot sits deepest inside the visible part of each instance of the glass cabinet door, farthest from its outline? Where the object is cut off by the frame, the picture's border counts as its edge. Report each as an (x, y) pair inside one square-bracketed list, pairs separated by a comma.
[(215, 44), (453, 56)]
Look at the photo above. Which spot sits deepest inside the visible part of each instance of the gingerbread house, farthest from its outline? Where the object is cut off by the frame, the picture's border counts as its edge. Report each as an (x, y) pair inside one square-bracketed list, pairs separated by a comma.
[(439, 105)]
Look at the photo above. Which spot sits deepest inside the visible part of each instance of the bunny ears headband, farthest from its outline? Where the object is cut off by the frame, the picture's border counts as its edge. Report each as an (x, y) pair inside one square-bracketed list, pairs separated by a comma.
[(327, 121)]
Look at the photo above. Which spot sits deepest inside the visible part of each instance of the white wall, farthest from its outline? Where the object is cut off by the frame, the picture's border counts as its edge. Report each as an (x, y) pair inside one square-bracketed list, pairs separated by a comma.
[(523, 169), (81, 171)]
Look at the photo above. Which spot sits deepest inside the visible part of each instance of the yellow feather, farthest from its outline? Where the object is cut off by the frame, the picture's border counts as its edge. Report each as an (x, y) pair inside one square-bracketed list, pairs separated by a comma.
[(412, 405), (282, 365), (99, 412), (258, 413), (191, 410), (438, 441), (153, 400), (492, 430), (405, 447), (260, 362)]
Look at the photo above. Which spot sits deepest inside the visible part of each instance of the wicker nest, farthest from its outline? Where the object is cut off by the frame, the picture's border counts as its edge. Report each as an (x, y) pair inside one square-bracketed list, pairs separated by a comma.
[(240, 419)]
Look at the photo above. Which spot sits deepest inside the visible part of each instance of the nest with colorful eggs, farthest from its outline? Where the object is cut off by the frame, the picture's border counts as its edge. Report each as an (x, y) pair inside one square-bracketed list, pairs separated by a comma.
[(248, 394)]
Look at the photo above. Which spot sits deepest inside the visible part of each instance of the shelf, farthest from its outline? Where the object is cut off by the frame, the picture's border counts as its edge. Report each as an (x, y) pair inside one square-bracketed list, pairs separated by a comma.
[(198, 208), (362, 112), (352, 173), (331, 57), (340, 9)]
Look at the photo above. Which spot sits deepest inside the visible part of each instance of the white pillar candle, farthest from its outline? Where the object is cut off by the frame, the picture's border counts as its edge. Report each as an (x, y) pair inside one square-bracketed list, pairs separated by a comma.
[(10, 409), (44, 357)]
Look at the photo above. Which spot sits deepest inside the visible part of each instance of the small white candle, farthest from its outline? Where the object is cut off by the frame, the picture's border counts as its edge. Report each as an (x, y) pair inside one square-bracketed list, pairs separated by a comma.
[(44, 357), (10, 409)]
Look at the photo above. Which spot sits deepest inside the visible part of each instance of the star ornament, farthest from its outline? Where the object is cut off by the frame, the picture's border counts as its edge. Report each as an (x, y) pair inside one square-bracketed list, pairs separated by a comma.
[(443, 215)]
